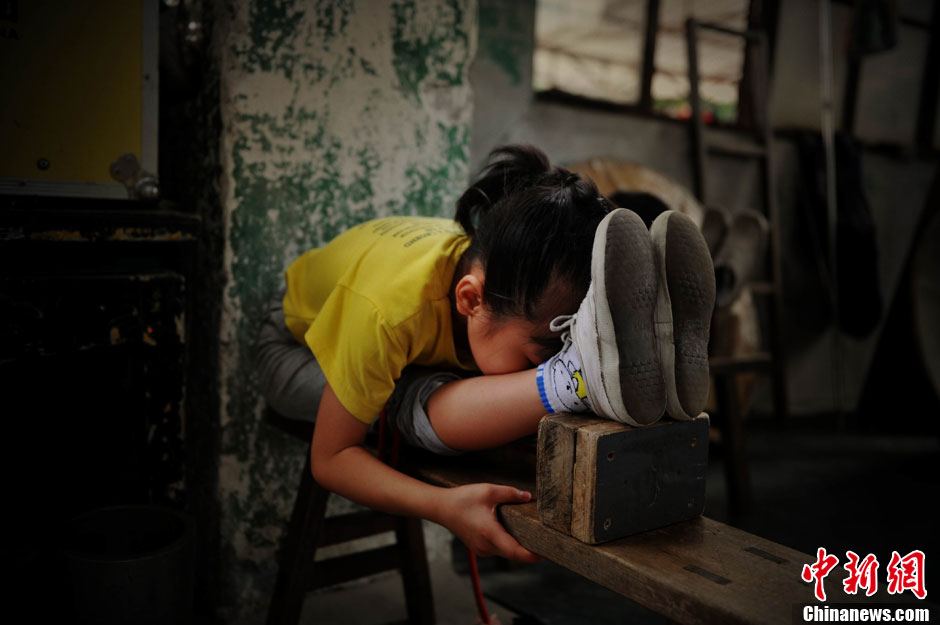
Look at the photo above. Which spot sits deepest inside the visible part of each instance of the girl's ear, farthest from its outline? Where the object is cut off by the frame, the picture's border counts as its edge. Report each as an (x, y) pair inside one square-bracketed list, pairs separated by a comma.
[(469, 292)]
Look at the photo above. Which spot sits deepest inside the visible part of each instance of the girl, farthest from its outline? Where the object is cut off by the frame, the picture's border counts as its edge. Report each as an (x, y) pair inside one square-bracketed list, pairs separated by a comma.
[(489, 293)]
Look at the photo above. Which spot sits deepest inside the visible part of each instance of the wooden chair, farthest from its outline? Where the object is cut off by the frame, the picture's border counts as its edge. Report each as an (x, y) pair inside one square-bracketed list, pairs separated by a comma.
[(310, 528)]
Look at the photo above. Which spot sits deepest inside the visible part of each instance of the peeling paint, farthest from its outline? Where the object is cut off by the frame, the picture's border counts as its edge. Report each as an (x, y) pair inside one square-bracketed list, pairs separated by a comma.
[(431, 187), (282, 33), (329, 120), (439, 52)]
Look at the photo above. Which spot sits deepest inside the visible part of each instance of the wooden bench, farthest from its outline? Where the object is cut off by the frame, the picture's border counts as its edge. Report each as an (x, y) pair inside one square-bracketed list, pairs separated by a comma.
[(695, 571)]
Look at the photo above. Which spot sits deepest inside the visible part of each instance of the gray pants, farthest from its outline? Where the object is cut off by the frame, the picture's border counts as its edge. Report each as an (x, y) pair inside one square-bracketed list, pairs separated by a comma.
[(292, 383)]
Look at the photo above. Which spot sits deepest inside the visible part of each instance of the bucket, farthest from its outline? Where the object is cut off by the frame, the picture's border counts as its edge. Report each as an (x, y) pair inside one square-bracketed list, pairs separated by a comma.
[(131, 564)]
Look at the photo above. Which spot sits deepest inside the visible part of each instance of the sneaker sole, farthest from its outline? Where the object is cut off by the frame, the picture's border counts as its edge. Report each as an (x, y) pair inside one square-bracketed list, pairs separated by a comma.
[(626, 300), (683, 312)]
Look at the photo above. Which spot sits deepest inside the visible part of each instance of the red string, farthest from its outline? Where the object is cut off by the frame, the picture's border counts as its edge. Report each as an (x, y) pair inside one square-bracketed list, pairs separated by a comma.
[(477, 590), (392, 461)]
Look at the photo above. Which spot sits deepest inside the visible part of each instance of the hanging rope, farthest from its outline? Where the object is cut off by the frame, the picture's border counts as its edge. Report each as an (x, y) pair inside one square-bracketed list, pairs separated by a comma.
[(388, 453), (485, 616)]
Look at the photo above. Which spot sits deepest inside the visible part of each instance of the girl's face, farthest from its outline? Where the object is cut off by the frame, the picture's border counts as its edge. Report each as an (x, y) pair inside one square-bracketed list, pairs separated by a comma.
[(502, 345), (508, 345)]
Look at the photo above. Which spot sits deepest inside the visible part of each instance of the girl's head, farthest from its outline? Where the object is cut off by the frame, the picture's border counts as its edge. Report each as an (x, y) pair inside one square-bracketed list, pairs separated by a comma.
[(532, 229)]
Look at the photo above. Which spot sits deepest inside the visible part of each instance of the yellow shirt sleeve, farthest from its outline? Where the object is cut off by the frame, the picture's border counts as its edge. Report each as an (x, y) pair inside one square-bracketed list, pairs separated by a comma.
[(359, 354)]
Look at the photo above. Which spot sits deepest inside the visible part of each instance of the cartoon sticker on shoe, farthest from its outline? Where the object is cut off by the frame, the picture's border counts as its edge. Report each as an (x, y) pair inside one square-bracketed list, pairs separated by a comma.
[(569, 386)]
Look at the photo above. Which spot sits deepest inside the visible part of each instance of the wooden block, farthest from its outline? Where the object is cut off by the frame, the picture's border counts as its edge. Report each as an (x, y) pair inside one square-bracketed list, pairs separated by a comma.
[(599, 480), (557, 440)]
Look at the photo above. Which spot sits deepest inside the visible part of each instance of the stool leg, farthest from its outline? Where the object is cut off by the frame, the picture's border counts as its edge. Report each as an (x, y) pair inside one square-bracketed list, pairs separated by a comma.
[(298, 551), (416, 577), (736, 470)]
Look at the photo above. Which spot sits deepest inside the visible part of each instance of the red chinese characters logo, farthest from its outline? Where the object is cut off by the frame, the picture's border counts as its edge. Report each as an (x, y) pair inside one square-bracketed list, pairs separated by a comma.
[(903, 573), (907, 573), (862, 574), (819, 570)]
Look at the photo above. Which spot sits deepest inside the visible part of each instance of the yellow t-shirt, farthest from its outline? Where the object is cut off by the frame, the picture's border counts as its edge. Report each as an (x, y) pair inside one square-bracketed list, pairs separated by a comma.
[(374, 300)]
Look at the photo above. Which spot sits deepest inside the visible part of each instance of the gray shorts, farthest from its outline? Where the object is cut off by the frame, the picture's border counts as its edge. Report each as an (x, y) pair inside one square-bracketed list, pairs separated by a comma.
[(292, 383)]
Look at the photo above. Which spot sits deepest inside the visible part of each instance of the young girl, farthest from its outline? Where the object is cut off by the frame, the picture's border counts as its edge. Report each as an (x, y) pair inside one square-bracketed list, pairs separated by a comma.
[(397, 312)]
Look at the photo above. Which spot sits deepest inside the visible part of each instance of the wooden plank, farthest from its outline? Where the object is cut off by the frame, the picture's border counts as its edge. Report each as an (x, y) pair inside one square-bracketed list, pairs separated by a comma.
[(415, 573), (353, 566), (584, 483), (555, 468), (519, 454), (698, 571), (296, 567), (353, 525)]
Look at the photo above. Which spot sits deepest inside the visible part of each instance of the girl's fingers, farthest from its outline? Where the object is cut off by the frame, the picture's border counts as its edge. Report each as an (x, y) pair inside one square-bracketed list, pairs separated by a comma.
[(507, 546), (508, 494), (504, 544)]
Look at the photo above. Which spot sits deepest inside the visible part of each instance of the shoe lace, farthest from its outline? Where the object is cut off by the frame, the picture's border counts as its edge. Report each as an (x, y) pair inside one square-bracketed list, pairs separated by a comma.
[(563, 324)]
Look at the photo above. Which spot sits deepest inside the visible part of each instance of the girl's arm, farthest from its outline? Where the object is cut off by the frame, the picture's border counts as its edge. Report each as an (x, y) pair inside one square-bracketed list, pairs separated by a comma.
[(341, 465)]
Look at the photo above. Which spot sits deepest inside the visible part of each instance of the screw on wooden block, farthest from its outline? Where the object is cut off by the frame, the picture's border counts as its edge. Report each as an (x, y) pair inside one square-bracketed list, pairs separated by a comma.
[(607, 523), (610, 456)]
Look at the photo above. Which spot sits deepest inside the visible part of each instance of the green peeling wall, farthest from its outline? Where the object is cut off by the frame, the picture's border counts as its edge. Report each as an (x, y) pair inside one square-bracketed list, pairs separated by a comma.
[(501, 73), (332, 113)]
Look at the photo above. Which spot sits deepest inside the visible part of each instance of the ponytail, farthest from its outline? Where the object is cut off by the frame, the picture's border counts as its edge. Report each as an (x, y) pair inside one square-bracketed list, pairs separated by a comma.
[(515, 167)]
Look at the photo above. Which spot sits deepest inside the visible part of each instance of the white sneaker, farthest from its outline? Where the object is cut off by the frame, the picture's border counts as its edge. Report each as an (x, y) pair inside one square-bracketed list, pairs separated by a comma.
[(684, 308), (613, 329)]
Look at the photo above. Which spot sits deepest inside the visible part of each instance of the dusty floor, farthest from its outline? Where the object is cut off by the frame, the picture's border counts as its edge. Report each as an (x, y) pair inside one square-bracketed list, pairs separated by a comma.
[(381, 601), (812, 486)]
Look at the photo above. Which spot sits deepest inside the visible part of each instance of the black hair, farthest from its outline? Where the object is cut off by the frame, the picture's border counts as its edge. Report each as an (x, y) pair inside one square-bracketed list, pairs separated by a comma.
[(531, 225)]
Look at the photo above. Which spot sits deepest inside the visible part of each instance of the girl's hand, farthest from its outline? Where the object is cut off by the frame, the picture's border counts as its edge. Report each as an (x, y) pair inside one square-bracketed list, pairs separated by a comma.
[(470, 513)]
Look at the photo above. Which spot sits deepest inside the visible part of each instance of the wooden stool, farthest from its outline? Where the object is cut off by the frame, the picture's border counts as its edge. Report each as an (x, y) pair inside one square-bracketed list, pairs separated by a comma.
[(309, 529)]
